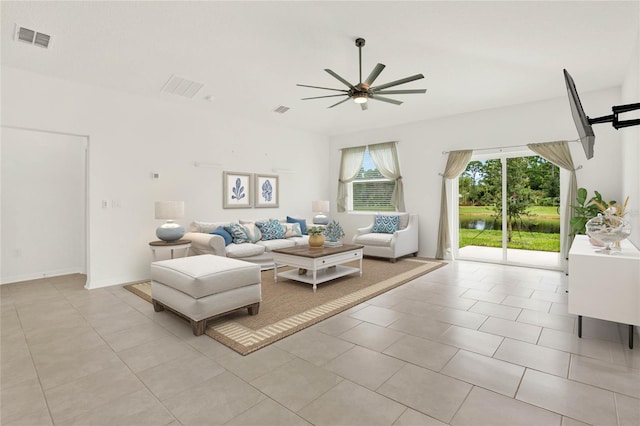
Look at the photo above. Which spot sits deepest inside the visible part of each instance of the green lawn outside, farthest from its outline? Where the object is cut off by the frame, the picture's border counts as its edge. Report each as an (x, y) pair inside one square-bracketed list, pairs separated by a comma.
[(523, 240), (488, 210)]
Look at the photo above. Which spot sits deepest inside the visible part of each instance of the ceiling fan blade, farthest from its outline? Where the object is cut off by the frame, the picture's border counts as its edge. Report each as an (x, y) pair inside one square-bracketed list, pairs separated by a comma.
[(325, 88), (364, 106), (344, 100), (397, 82), (374, 74), (328, 96), (400, 92), (380, 98), (340, 79)]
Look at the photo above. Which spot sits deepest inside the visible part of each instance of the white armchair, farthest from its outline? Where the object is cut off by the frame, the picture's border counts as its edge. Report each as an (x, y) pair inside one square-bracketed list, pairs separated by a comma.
[(392, 246)]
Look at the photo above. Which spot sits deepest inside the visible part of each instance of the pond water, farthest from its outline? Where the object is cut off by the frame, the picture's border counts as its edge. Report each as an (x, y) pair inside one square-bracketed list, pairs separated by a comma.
[(545, 227)]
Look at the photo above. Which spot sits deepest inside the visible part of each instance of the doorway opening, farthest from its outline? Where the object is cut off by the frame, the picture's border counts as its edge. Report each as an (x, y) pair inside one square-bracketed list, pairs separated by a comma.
[(508, 210)]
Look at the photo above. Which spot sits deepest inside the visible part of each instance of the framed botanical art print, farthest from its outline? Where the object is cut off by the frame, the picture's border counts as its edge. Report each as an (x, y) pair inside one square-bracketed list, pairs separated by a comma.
[(236, 190), (266, 187)]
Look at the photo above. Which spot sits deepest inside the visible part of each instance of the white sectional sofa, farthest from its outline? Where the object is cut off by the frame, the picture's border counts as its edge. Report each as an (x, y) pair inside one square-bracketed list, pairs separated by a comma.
[(259, 252)]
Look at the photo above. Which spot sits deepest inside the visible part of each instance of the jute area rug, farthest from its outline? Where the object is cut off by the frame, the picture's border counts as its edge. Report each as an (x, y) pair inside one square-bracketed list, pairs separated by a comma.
[(289, 306)]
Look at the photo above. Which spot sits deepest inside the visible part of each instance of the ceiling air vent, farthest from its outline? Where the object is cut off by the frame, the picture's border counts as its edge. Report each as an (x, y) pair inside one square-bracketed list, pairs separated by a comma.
[(281, 109), (181, 87), (32, 37)]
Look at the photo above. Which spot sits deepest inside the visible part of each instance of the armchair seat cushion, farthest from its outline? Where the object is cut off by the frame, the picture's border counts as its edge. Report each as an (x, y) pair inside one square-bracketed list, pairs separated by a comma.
[(374, 239), (240, 251)]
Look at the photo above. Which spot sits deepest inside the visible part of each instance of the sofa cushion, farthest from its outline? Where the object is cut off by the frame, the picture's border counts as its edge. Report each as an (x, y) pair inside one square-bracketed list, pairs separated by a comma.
[(271, 230), (237, 233), (228, 239), (374, 239), (385, 224), (276, 244), (244, 250), (302, 222), (207, 227), (300, 241), (252, 231), (291, 230)]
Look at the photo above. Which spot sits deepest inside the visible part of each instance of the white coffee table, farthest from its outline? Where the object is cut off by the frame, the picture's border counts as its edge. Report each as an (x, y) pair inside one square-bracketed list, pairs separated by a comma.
[(321, 264)]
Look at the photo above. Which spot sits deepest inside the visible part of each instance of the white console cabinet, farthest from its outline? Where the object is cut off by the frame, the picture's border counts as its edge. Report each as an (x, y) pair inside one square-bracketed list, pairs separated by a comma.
[(604, 286)]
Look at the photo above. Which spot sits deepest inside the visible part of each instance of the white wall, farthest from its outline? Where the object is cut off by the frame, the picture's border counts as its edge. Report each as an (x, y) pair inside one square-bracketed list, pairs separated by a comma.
[(131, 136), (631, 146), (421, 145), (43, 218)]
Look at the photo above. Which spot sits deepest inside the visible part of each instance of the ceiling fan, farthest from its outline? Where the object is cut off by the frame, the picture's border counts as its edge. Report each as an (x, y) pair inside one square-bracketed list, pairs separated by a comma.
[(363, 91)]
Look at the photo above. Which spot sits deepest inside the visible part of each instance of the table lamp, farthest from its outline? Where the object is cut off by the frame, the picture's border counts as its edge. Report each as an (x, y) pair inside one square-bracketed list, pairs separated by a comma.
[(320, 207), (169, 210)]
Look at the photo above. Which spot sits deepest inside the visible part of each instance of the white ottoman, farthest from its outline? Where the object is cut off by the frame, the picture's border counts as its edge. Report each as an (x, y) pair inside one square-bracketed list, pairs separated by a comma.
[(202, 287)]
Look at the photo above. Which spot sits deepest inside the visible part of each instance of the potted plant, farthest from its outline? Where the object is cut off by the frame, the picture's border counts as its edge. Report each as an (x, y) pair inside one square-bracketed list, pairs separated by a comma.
[(585, 210), (316, 240)]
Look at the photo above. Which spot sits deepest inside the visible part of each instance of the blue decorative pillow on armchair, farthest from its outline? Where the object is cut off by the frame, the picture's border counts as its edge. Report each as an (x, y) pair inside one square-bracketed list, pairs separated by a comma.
[(385, 224)]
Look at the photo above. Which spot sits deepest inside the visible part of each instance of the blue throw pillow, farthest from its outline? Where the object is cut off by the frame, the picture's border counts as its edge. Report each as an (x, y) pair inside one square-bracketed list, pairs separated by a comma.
[(271, 230), (237, 233), (302, 222), (224, 234), (385, 224)]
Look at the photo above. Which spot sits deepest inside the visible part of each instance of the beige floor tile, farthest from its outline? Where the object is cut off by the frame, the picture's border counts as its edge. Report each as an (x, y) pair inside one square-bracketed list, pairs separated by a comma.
[(420, 326), (414, 418), (568, 421), (423, 390), (213, 402), (423, 352), (512, 329), (525, 303), (376, 315), (350, 404), (450, 301), (256, 364), (365, 367), (23, 404), (550, 296), (336, 325), (460, 318), (570, 342), (483, 407), (68, 345), (485, 296), (14, 371), (86, 394), (572, 399), (313, 346), (134, 336), (177, 375), (371, 336), (489, 373), (471, 340), (268, 413), (512, 290), (602, 374), (498, 311), (209, 347), (548, 320), (628, 410), (47, 336), (290, 383), (415, 308), (139, 408), (537, 357), (156, 352)]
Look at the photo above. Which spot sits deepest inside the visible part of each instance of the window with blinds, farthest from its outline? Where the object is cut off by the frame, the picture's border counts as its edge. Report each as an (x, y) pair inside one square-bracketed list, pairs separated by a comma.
[(371, 191)]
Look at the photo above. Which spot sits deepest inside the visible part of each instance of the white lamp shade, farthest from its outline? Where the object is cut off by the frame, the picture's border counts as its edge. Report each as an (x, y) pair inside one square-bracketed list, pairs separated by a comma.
[(320, 206), (169, 210)]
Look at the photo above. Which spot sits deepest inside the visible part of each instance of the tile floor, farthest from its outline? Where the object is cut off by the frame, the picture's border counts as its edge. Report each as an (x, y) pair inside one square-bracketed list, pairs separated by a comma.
[(468, 344)]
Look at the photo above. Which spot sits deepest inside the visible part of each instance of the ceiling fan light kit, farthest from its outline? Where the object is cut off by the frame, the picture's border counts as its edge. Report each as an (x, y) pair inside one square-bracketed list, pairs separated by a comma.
[(363, 91)]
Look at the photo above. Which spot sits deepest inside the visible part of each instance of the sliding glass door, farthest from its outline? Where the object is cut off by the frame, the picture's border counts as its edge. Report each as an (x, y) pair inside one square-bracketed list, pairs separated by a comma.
[(509, 210)]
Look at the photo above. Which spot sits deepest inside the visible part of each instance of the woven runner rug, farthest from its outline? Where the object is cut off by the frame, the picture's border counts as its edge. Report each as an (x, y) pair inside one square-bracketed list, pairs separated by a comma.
[(289, 306)]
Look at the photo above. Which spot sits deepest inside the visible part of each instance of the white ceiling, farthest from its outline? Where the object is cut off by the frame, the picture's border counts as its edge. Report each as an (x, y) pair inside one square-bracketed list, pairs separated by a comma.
[(250, 55)]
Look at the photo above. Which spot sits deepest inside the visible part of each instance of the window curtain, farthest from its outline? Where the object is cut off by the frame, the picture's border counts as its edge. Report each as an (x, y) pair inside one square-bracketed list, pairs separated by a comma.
[(350, 165), (560, 155), (456, 163), (385, 158)]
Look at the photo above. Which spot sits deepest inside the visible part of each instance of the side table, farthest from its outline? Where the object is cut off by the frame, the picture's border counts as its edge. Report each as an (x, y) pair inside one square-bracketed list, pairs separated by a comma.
[(164, 246)]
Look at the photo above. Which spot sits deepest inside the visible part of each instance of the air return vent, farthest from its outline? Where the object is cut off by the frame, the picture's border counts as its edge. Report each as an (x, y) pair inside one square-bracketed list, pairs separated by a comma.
[(32, 37), (181, 87), (281, 109)]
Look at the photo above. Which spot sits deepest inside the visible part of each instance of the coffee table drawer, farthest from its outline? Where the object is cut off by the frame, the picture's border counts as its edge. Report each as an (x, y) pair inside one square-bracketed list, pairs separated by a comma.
[(339, 258)]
